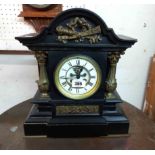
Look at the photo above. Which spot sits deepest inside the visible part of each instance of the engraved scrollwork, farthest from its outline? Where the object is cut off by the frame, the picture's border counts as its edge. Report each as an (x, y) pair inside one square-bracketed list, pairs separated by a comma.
[(78, 29), (43, 83)]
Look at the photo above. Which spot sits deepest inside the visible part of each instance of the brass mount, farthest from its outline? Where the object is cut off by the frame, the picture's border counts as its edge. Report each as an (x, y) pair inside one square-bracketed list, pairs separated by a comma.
[(111, 82), (43, 82)]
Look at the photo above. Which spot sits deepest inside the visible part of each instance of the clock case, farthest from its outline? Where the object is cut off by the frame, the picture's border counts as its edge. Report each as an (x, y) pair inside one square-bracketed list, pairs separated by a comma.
[(76, 32)]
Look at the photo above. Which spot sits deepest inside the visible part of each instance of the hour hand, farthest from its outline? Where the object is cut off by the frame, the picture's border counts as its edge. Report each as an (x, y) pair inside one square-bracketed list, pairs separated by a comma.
[(83, 75), (72, 75)]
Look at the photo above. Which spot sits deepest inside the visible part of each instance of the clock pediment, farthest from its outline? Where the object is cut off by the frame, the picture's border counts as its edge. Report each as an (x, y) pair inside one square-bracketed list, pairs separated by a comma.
[(78, 28)]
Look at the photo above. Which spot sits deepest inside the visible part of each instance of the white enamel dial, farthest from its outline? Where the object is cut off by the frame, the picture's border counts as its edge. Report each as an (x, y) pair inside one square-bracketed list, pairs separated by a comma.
[(77, 77)]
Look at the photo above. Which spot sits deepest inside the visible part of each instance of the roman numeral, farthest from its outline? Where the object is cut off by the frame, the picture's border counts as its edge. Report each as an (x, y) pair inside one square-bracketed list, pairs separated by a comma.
[(64, 69), (85, 64), (92, 77), (64, 84), (90, 69), (90, 84), (77, 90), (70, 89), (85, 89), (70, 64), (78, 62), (62, 77)]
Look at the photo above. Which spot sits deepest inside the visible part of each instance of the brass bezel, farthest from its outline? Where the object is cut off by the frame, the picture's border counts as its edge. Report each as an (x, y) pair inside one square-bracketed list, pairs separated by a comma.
[(83, 96)]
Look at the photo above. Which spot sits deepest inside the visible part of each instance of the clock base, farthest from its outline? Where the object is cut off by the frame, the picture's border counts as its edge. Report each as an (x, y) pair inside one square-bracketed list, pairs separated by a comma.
[(42, 124)]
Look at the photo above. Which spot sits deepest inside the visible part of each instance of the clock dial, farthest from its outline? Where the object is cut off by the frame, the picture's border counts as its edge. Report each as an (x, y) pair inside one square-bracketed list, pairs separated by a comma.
[(78, 77)]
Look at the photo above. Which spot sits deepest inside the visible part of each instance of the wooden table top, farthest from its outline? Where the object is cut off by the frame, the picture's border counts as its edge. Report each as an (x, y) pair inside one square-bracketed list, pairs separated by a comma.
[(141, 133)]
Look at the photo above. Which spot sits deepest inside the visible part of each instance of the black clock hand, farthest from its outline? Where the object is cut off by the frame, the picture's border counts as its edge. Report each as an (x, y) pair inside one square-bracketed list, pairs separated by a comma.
[(70, 78), (83, 75), (75, 71), (72, 74)]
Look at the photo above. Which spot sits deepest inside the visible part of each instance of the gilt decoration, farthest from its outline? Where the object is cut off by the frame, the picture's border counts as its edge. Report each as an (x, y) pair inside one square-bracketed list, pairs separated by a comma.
[(79, 30)]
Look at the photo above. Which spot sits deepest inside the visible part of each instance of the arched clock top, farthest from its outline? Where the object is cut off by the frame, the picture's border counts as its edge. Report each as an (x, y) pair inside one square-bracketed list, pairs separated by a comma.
[(79, 28)]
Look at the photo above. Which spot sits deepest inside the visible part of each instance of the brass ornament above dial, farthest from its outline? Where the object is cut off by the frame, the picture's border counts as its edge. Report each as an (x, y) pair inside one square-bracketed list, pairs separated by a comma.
[(77, 77)]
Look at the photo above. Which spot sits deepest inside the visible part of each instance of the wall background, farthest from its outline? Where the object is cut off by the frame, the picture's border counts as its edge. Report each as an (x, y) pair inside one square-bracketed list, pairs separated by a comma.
[(18, 73)]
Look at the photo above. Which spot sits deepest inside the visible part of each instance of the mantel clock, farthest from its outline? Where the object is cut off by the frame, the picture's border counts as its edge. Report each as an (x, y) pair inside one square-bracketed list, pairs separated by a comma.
[(77, 56)]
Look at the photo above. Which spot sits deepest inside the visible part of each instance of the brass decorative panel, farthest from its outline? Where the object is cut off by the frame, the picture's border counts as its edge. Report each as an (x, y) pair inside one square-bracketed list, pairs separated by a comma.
[(83, 109)]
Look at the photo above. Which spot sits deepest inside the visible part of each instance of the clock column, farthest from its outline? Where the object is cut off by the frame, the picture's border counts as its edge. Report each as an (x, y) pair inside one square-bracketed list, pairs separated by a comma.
[(111, 82), (43, 82)]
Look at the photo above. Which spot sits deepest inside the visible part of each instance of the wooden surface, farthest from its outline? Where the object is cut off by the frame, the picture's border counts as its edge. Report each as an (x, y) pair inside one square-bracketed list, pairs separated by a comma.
[(52, 11), (141, 134), (149, 105)]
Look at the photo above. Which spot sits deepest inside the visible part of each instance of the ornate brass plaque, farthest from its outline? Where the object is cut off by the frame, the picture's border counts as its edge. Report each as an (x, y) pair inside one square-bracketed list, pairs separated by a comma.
[(79, 29), (83, 109)]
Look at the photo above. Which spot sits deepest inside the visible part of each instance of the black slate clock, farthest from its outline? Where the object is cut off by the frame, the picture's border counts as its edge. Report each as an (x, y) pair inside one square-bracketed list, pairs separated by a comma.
[(77, 57)]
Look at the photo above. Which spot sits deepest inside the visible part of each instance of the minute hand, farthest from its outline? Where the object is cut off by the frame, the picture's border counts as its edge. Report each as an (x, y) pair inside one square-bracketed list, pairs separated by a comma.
[(70, 78)]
